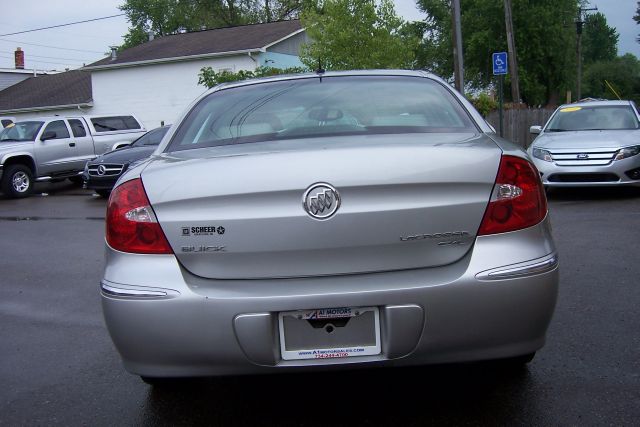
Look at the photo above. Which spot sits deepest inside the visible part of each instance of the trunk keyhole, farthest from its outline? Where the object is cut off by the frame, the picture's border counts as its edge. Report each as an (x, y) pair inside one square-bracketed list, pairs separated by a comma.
[(329, 328)]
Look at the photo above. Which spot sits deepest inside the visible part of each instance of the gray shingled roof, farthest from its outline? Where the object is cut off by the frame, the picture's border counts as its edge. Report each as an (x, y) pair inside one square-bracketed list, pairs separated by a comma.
[(68, 88), (205, 42)]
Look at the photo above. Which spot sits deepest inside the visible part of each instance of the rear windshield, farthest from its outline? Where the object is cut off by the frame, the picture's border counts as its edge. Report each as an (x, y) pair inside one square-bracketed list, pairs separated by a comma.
[(313, 107), (610, 117), (21, 131), (113, 123)]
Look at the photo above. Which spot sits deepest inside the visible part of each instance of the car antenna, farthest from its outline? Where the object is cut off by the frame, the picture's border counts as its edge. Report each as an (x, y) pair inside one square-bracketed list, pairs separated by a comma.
[(320, 70)]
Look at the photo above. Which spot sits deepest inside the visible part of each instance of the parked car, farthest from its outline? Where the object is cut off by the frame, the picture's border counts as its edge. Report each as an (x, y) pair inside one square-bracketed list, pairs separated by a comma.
[(589, 144), (55, 148), (101, 173), (319, 221), (5, 121)]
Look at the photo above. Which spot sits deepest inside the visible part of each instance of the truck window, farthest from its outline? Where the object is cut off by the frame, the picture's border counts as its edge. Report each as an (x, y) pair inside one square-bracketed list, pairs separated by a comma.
[(77, 128), (114, 123), (59, 128), (6, 122)]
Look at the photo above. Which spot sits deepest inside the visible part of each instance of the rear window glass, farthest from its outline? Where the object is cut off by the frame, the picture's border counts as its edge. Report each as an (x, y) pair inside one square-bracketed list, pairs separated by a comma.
[(314, 107), (113, 123)]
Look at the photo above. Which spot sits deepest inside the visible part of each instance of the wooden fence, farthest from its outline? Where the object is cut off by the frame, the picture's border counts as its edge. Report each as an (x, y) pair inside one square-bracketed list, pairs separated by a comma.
[(516, 123)]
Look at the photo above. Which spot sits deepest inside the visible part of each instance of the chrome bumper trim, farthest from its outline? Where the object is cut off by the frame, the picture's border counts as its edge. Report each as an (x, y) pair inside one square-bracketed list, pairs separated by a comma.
[(138, 292), (529, 268)]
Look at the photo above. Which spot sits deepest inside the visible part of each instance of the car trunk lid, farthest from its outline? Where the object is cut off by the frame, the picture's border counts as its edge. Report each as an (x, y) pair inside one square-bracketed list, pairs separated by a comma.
[(407, 201)]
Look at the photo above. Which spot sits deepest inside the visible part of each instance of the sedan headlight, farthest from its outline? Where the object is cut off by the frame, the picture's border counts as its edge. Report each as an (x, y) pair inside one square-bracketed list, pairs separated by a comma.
[(627, 152), (542, 155)]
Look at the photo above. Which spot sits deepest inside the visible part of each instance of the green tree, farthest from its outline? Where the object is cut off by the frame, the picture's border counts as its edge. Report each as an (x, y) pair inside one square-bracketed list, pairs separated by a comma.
[(599, 40), (622, 73), (545, 41), (356, 34), (163, 17)]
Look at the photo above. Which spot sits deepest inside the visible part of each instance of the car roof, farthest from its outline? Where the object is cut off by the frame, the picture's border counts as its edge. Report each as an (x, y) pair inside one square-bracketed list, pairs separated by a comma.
[(280, 77)]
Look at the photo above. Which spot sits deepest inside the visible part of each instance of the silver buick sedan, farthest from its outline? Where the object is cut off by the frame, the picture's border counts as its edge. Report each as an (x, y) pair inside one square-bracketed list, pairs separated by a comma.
[(330, 220), (589, 144)]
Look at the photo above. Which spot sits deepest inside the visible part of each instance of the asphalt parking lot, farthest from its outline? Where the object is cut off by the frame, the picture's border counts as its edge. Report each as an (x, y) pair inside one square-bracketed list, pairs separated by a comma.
[(58, 366)]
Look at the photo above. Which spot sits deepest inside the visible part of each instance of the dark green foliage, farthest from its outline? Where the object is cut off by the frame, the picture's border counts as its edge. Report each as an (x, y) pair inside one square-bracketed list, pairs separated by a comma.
[(599, 40), (623, 73), (545, 41)]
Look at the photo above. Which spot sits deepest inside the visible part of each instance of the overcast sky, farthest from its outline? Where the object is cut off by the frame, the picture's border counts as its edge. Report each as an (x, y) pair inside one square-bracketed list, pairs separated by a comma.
[(73, 46)]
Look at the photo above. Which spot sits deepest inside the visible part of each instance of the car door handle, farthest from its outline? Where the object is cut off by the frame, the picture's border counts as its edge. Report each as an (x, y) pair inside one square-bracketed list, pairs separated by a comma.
[(72, 144)]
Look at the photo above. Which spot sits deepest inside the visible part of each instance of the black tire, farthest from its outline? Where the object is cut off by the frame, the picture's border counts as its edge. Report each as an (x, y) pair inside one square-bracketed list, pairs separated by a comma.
[(17, 181), (103, 193), (76, 180)]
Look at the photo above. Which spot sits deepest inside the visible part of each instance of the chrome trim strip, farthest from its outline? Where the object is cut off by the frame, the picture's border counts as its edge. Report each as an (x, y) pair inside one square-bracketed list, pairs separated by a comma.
[(43, 178), (126, 292), (530, 268)]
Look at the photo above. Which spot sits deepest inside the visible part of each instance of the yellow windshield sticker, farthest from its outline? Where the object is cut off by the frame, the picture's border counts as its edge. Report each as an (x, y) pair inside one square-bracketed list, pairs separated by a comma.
[(570, 109)]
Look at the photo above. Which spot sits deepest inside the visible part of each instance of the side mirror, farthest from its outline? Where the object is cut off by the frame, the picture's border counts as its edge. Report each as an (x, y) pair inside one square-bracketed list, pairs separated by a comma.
[(48, 135), (535, 130)]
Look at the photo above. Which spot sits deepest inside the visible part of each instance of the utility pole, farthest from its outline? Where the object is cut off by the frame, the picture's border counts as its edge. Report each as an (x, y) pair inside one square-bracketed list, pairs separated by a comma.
[(511, 48), (579, 24), (458, 62)]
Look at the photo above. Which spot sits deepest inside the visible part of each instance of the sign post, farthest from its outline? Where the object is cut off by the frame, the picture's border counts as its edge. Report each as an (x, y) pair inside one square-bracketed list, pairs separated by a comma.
[(500, 68)]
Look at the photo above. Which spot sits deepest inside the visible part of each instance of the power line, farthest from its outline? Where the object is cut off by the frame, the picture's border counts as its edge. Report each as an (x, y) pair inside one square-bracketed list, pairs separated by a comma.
[(48, 57), (62, 25), (47, 62), (51, 47)]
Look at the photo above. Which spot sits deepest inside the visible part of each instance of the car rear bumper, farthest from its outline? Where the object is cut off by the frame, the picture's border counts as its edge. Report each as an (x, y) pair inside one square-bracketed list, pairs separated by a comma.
[(496, 302)]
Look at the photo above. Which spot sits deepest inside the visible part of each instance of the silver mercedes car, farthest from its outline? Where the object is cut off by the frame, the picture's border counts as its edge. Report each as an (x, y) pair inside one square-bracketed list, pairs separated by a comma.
[(331, 220), (589, 144)]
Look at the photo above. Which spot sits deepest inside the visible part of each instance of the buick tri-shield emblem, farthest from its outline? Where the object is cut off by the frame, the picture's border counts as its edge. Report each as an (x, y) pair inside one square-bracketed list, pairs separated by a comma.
[(321, 201)]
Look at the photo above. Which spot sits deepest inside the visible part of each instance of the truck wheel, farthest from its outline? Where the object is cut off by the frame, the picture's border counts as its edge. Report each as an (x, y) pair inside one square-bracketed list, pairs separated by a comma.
[(17, 181)]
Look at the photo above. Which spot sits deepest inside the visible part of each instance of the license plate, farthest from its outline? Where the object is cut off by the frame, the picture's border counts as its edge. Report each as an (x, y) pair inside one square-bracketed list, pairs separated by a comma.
[(329, 333)]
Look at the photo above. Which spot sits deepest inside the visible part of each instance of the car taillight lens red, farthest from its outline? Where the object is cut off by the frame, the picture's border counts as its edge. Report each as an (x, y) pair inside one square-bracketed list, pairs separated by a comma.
[(131, 223), (518, 200)]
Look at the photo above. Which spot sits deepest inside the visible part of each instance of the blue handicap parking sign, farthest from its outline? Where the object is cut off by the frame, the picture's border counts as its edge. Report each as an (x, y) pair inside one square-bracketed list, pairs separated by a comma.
[(500, 65)]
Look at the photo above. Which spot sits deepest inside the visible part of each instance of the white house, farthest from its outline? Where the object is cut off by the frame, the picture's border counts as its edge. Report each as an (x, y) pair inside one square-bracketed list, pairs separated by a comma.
[(156, 80)]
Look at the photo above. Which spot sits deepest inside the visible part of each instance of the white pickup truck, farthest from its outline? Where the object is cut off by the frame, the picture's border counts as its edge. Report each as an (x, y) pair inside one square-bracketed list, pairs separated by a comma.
[(55, 148)]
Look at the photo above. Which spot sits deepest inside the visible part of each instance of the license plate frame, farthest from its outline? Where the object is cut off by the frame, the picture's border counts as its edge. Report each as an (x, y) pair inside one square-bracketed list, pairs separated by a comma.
[(343, 351)]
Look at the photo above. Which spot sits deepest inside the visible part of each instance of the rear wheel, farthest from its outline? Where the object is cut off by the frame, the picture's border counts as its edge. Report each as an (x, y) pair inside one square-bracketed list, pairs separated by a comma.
[(103, 193), (17, 181)]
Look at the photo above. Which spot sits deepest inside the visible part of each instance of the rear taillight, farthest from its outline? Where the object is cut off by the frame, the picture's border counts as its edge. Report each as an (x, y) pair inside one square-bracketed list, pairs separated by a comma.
[(131, 223), (518, 200)]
